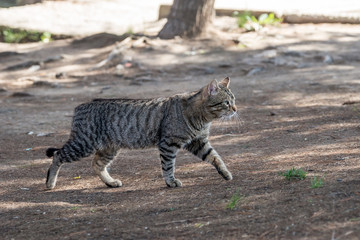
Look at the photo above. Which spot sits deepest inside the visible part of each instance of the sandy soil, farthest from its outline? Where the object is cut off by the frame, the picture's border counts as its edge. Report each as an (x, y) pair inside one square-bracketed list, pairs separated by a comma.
[(297, 92)]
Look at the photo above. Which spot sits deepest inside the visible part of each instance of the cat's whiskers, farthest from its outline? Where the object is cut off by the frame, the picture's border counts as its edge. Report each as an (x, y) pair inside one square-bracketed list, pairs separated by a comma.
[(231, 122), (239, 122)]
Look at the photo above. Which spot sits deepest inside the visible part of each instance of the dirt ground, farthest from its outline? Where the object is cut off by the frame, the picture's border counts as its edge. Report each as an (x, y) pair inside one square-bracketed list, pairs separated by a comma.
[(297, 90)]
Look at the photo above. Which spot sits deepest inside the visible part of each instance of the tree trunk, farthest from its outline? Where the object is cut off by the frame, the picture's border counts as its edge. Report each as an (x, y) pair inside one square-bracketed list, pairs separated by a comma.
[(187, 18)]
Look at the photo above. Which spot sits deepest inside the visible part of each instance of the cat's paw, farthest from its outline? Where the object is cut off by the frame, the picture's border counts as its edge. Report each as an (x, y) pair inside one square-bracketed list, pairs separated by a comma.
[(226, 175), (114, 184), (50, 185), (174, 183)]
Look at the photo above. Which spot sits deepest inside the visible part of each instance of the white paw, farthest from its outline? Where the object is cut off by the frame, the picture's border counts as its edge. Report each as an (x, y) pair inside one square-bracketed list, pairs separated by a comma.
[(174, 183), (114, 184), (226, 175)]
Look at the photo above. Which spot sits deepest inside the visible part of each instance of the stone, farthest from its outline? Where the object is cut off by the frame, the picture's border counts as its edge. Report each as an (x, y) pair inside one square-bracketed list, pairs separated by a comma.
[(255, 71)]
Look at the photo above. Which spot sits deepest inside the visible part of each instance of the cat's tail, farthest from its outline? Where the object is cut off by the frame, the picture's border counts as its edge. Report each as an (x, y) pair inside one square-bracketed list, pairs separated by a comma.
[(54, 168), (50, 152)]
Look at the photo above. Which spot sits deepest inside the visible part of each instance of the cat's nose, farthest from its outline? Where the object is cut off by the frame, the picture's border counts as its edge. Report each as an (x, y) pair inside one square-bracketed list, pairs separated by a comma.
[(234, 108)]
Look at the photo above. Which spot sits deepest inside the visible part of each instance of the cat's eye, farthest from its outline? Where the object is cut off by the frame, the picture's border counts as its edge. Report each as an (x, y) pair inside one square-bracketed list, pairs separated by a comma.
[(227, 102)]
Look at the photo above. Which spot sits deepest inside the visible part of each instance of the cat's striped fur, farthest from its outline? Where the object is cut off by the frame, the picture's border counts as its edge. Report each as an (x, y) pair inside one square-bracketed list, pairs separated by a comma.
[(182, 121)]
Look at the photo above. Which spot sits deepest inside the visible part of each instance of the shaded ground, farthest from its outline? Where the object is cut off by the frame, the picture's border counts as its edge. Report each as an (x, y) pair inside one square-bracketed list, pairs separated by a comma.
[(290, 83)]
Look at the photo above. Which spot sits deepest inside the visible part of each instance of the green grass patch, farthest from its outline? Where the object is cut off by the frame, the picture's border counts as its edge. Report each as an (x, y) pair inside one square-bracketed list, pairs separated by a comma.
[(294, 174), (250, 23), (317, 182), (235, 200), (10, 35), (14, 35)]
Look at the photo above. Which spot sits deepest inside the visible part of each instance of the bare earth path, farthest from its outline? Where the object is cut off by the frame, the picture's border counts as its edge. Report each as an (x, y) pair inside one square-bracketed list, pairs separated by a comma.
[(291, 84)]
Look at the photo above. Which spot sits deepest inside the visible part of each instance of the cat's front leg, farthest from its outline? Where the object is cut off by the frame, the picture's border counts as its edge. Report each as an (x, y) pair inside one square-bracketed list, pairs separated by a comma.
[(168, 153), (214, 158), (202, 149)]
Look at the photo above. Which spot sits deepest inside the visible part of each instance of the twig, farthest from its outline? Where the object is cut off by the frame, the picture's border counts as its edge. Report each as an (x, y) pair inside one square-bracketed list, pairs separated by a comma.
[(182, 221), (351, 102)]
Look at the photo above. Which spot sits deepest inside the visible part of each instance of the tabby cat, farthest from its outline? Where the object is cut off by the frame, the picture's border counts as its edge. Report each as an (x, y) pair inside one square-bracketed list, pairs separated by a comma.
[(103, 126)]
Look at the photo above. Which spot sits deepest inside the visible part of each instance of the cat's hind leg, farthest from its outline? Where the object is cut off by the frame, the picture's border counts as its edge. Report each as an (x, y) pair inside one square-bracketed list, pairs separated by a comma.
[(103, 159), (73, 150)]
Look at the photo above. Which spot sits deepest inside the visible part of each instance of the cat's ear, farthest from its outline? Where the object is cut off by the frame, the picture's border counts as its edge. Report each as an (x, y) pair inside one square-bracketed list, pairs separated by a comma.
[(211, 89), (225, 82)]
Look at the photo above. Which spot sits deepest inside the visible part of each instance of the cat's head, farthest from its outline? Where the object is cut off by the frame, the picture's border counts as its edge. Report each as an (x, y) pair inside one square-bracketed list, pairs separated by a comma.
[(218, 99)]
